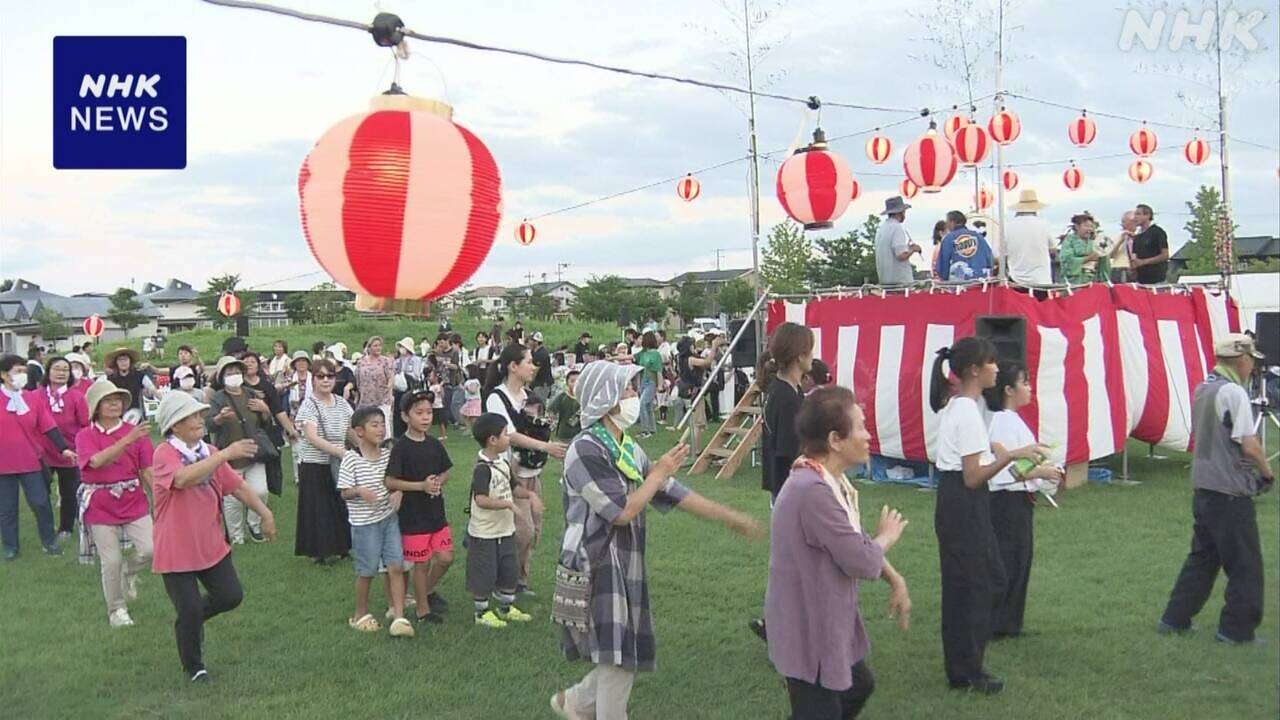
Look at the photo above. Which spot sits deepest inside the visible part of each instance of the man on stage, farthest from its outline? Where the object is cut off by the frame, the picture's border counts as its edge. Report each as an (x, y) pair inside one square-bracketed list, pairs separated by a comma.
[(1228, 468)]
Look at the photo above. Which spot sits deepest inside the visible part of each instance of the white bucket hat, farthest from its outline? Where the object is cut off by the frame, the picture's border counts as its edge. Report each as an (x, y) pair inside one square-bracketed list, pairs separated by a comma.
[(177, 406)]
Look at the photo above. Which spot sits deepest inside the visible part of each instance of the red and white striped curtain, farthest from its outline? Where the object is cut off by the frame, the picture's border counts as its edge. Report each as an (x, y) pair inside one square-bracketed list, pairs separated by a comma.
[(1105, 363)]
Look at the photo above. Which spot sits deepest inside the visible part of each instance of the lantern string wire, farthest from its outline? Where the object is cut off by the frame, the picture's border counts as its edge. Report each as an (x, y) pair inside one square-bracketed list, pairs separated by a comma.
[(637, 189)]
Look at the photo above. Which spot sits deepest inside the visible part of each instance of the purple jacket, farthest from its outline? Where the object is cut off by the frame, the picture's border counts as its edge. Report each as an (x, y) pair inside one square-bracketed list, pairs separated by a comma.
[(815, 561)]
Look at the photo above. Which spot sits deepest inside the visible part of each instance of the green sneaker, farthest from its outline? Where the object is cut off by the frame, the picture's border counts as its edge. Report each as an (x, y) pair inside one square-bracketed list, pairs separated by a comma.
[(515, 614), (490, 619)]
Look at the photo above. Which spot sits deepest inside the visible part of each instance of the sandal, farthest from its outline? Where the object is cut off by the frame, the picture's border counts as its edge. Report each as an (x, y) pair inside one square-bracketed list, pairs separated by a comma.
[(365, 624), (560, 706)]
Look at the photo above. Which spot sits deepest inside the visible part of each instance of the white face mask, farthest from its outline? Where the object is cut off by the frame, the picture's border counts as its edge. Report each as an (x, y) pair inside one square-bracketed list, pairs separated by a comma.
[(233, 381), (187, 382), (628, 412), (18, 380), (77, 374)]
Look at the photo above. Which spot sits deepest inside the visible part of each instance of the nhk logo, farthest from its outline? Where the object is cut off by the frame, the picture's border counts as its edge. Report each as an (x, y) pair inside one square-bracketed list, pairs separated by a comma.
[(119, 102)]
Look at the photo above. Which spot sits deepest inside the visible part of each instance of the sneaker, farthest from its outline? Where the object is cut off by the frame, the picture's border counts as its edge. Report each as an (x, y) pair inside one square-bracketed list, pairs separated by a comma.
[(64, 535), (201, 677), (757, 627), (525, 590), (514, 614), (437, 603), (257, 536), (364, 624), (429, 619), (120, 618), (131, 587), (10, 553), (1224, 639), (401, 628), (52, 549), (1165, 628), (560, 706), (985, 685), (490, 619)]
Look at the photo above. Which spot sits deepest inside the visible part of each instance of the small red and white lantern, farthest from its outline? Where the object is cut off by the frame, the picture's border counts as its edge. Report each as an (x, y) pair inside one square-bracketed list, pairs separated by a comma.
[(983, 199), (688, 188), (526, 232), (909, 189), (400, 204), (1073, 178), (954, 123), (1140, 171), (228, 303), (815, 186), (93, 326), (1082, 131), (971, 144), (1143, 141), (857, 190), (930, 162), (1197, 151), (878, 148), (1004, 126), (1010, 180)]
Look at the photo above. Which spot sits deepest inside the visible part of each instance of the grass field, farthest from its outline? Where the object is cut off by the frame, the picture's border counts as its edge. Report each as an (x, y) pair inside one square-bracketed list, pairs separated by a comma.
[(1104, 565)]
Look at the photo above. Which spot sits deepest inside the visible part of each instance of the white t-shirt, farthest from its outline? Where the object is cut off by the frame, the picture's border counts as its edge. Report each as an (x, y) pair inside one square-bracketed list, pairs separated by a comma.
[(961, 432), (494, 404), (1027, 242), (1009, 429), (1234, 399)]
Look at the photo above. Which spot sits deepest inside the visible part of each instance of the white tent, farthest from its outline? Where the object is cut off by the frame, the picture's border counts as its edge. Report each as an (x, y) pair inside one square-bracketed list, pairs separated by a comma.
[(1254, 292)]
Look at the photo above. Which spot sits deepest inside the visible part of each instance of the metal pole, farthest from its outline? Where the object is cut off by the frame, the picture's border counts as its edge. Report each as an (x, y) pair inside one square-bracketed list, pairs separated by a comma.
[(1222, 137), (755, 183), (1004, 240)]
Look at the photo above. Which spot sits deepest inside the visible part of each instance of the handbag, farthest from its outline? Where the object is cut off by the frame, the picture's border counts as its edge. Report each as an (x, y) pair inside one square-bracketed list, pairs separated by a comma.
[(266, 448), (571, 601)]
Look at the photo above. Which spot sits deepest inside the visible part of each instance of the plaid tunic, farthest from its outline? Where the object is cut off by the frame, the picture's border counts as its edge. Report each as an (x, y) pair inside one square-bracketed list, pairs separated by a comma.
[(595, 493)]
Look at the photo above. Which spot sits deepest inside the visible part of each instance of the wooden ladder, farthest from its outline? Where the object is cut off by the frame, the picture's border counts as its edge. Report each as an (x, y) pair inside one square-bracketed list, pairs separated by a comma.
[(736, 437)]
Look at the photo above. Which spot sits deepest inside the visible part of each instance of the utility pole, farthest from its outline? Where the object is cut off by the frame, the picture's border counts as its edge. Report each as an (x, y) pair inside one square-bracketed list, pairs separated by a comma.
[(528, 276), (719, 253), (1223, 163), (999, 100), (755, 179), (560, 268)]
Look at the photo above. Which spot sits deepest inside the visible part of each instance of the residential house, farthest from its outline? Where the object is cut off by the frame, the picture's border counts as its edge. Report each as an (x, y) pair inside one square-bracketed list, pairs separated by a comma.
[(1250, 248), (176, 302), (564, 293), (20, 304), (269, 311)]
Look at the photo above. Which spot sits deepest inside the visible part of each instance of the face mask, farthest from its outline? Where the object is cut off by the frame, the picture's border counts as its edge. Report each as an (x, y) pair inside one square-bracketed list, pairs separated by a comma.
[(233, 381), (187, 382), (628, 412), (77, 374), (19, 380)]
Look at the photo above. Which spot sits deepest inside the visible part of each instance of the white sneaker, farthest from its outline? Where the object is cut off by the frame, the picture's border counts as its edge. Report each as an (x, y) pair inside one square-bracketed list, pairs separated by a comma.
[(120, 618), (131, 587)]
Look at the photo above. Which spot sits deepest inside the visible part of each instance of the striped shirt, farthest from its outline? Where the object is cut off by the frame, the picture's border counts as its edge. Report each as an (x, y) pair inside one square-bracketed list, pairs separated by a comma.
[(332, 422), (357, 471)]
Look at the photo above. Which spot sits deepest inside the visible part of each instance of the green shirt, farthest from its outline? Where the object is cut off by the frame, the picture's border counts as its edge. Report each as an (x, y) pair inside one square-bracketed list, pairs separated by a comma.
[(1071, 257), (651, 361), (568, 420)]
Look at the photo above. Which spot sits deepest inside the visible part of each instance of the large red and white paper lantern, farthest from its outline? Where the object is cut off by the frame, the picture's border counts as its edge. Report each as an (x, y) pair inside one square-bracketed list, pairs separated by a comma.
[(857, 190), (1073, 178), (228, 303), (908, 188), (878, 148), (1004, 126), (954, 123), (1196, 152), (93, 326), (983, 199), (930, 161), (971, 144), (526, 232), (688, 188), (400, 204), (1010, 179), (815, 186), (1143, 141), (1082, 130), (1140, 171)]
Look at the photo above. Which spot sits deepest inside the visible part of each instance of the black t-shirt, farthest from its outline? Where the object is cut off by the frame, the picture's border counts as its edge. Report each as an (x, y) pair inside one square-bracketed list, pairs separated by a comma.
[(781, 444), (342, 379), (1149, 243), (269, 394), (195, 371), (414, 460), (580, 350), (542, 358)]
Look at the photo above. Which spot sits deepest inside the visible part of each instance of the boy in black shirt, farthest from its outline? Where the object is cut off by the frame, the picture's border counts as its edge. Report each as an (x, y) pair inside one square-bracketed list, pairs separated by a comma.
[(419, 467)]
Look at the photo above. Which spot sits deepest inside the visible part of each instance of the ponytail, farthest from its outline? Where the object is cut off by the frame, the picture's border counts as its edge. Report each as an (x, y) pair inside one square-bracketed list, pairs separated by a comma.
[(498, 369), (967, 352), (789, 342), (939, 385), (766, 371)]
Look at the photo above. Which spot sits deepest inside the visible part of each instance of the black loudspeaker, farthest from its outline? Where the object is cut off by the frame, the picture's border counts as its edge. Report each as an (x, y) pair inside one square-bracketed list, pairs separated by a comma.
[(1007, 332), (242, 325), (624, 317), (744, 353), (1268, 337)]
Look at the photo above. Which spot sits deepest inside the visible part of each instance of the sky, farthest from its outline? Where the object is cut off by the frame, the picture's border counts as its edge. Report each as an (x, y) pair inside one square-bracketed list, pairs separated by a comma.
[(263, 88)]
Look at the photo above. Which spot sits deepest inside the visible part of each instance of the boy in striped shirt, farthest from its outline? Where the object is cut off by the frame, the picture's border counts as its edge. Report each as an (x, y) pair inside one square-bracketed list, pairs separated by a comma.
[(375, 529)]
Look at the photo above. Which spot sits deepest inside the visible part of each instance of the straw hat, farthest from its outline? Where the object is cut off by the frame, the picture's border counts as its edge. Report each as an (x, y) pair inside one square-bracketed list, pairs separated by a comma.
[(101, 390), (110, 359), (406, 342), (174, 407), (1028, 201)]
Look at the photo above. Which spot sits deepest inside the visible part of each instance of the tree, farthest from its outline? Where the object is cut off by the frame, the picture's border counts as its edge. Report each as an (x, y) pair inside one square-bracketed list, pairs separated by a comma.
[(6, 285), (125, 310), (466, 302), (601, 298), (646, 304), (1199, 251), (52, 325), (848, 260), (323, 303), (736, 297), (787, 253), (691, 300), (207, 301)]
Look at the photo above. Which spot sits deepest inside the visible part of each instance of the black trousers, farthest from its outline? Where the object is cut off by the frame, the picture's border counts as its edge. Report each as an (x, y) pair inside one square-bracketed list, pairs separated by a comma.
[(224, 593), (68, 504), (811, 701), (1012, 519), (1225, 536), (972, 574)]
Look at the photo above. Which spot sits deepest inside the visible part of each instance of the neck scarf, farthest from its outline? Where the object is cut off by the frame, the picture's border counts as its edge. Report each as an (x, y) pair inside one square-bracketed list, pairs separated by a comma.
[(190, 456), (1228, 373), (845, 493), (623, 454), (17, 404), (55, 397)]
